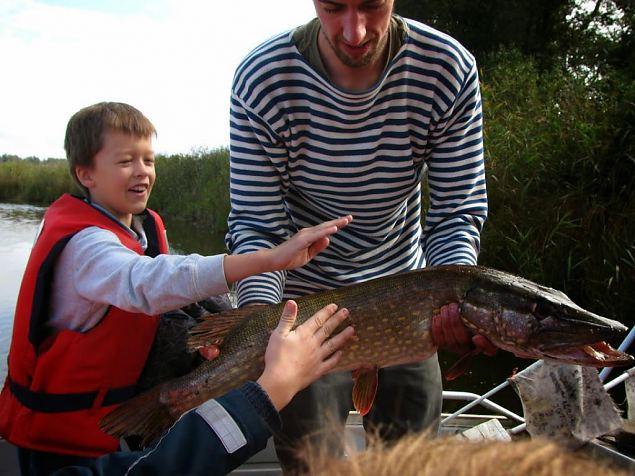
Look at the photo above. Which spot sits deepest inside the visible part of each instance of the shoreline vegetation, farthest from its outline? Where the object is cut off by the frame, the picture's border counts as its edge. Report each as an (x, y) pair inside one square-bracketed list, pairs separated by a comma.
[(560, 160)]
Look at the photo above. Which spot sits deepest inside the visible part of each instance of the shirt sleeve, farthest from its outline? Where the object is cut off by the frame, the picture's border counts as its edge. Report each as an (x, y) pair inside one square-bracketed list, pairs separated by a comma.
[(103, 271), (197, 444), (258, 218), (456, 180)]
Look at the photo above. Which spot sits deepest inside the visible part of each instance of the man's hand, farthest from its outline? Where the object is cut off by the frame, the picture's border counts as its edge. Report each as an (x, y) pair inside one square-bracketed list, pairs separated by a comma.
[(209, 352), (449, 332), (296, 357)]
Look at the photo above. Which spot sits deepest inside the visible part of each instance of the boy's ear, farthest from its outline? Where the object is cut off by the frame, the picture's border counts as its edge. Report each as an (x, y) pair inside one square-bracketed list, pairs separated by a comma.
[(84, 175)]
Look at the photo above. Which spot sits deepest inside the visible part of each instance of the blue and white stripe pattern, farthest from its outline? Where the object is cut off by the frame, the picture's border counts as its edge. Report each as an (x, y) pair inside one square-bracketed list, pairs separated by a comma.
[(303, 151)]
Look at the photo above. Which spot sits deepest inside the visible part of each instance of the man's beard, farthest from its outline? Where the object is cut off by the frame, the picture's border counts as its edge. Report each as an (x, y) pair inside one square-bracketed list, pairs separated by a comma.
[(369, 58)]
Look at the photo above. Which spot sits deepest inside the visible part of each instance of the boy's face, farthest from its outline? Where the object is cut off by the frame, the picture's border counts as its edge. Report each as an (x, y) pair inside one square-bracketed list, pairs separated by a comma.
[(122, 174)]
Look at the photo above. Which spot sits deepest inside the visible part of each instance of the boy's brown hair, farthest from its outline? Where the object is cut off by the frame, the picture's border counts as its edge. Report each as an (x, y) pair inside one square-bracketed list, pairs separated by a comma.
[(86, 128)]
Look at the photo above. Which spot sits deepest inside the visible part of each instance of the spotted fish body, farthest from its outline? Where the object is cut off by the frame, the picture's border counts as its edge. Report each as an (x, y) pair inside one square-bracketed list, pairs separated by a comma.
[(392, 321)]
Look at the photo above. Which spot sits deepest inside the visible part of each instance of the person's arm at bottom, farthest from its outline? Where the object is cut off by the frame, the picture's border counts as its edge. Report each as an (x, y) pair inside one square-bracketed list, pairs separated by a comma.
[(223, 433)]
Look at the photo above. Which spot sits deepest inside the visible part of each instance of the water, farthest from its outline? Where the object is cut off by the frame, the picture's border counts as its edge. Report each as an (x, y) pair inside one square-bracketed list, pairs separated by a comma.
[(18, 226)]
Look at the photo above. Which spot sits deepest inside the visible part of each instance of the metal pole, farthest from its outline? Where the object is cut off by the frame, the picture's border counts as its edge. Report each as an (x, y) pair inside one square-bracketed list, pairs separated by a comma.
[(484, 396), (623, 346)]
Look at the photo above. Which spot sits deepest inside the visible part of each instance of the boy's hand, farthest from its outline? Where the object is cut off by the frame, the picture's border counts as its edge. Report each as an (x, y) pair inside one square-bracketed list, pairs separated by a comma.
[(305, 244), (297, 357), (293, 253), (449, 332)]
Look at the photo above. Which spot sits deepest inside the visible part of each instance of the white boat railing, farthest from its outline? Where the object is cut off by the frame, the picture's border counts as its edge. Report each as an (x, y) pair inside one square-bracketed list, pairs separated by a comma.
[(623, 346), (484, 400), (476, 399)]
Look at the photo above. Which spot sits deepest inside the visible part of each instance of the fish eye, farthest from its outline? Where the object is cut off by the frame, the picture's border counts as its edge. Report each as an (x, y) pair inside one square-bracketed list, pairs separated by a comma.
[(542, 309)]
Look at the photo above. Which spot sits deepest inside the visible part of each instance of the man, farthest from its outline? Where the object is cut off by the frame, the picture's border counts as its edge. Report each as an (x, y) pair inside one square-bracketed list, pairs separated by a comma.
[(346, 115)]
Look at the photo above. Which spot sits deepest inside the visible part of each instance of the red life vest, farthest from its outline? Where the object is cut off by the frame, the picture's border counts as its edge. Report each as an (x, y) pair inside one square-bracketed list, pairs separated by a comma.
[(59, 385)]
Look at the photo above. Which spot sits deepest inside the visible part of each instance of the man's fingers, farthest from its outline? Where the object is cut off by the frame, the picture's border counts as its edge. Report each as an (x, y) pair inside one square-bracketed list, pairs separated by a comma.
[(288, 317), (338, 222), (447, 327), (209, 352), (332, 349), (456, 329), (485, 345)]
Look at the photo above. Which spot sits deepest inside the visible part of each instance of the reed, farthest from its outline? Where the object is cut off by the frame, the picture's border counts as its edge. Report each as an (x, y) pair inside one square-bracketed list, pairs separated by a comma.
[(194, 188), (32, 181)]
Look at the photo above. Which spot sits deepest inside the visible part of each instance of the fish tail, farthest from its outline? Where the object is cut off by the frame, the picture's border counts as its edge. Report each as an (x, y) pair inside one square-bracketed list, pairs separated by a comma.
[(144, 415)]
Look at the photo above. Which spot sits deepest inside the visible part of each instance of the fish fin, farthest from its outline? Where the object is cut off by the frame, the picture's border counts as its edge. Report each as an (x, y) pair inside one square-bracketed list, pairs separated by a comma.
[(460, 366), (143, 415), (213, 328), (364, 389)]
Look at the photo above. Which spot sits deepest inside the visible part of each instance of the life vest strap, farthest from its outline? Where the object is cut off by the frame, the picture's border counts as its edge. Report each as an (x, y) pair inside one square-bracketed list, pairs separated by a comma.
[(67, 402)]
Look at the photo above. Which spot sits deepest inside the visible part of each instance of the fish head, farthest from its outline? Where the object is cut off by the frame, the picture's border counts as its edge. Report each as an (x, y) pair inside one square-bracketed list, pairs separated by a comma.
[(538, 322)]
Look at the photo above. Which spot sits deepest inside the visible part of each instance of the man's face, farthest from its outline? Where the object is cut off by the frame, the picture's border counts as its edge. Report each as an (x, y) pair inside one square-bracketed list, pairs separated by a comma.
[(356, 30)]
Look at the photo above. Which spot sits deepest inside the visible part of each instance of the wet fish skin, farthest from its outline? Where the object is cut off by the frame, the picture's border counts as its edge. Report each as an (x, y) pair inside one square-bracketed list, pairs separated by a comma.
[(535, 321), (392, 320)]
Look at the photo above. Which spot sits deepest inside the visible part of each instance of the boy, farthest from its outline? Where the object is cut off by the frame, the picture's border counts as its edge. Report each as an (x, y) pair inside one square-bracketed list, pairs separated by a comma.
[(96, 280)]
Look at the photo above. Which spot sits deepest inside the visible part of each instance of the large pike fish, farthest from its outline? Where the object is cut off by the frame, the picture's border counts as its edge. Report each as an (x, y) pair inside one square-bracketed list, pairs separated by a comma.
[(392, 320)]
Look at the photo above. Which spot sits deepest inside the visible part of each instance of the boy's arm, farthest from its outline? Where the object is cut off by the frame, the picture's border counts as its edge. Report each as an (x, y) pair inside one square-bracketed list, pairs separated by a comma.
[(293, 253), (96, 269)]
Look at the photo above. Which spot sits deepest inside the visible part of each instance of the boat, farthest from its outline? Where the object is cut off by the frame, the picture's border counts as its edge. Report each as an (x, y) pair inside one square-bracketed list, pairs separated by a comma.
[(480, 417)]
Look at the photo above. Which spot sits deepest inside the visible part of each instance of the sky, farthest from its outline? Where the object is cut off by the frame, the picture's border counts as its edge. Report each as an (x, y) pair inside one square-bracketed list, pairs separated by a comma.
[(172, 59)]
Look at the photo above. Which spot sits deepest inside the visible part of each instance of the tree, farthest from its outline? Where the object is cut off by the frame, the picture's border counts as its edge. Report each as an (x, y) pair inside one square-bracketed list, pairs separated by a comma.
[(487, 25), (577, 33)]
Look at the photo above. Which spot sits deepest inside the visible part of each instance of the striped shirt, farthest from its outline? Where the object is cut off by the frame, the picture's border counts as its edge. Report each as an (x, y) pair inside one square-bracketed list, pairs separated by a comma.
[(303, 151)]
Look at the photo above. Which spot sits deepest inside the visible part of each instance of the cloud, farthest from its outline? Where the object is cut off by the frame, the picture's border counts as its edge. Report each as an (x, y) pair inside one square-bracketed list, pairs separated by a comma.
[(174, 60)]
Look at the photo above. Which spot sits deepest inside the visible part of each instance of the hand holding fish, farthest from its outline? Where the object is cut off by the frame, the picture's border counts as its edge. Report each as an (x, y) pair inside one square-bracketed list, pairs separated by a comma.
[(449, 332), (209, 352), (292, 253), (296, 357)]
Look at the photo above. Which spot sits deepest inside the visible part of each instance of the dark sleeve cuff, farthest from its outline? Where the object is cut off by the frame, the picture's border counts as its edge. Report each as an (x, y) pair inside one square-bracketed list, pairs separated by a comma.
[(262, 404)]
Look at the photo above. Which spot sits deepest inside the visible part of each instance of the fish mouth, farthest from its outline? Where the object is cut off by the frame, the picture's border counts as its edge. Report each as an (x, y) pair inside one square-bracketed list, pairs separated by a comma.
[(575, 331), (598, 354)]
